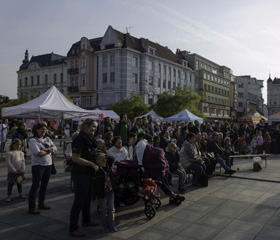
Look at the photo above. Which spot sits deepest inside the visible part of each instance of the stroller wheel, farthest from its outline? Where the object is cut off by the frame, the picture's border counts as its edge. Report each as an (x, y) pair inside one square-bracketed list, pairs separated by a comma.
[(157, 203), (150, 211)]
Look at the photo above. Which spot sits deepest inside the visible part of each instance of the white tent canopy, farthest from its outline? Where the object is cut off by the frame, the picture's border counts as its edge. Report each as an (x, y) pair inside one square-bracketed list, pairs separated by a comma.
[(51, 104), (274, 118), (184, 116), (106, 113), (155, 116)]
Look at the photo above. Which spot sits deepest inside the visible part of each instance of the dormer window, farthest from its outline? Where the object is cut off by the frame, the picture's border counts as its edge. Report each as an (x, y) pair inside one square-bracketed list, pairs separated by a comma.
[(150, 50)]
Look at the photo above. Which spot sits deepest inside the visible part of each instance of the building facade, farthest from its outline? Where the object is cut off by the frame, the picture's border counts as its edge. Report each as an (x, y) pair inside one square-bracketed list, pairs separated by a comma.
[(249, 95), (273, 96), (127, 64), (40, 73), (213, 84), (82, 72)]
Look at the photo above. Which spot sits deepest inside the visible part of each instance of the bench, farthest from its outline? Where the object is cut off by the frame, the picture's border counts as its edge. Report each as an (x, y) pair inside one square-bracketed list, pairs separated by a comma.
[(263, 156)]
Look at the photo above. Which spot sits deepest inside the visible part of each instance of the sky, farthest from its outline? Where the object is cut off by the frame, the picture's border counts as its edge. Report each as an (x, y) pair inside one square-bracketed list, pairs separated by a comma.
[(243, 35)]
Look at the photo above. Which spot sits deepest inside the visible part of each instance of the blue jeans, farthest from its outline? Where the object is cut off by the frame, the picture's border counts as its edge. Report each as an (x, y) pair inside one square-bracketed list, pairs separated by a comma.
[(198, 170), (82, 200), (223, 164), (107, 203), (40, 178)]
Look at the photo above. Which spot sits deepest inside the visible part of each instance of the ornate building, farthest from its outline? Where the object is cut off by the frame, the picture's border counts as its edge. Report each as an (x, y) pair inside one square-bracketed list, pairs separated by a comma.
[(40, 73), (273, 96)]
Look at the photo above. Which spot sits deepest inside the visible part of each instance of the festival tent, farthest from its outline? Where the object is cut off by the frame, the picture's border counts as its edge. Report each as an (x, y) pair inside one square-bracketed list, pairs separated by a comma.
[(184, 116), (98, 115), (51, 104), (274, 118), (252, 117), (155, 116)]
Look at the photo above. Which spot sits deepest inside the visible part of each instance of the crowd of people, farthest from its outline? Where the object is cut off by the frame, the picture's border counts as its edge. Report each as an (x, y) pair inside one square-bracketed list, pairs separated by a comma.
[(188, 148)]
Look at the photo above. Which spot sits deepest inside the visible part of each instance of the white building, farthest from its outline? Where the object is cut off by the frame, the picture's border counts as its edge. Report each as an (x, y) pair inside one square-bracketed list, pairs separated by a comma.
[(273, 96), (40, 73)]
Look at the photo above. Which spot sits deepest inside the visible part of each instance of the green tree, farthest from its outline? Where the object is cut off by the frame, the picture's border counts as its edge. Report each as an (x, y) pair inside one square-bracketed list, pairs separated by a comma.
[(132, 106), (175, 100), (13, 102)]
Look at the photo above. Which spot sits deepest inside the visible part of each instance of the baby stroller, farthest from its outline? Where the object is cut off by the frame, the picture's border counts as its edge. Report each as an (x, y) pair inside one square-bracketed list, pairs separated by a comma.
[(130, 186)]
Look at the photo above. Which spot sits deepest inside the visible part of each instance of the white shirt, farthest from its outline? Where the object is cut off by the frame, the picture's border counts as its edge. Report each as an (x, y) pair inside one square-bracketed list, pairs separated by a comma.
[(35, 146)]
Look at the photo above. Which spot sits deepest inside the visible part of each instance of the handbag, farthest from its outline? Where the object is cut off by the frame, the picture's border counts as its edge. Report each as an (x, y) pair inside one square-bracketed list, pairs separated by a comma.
[(53, 171)]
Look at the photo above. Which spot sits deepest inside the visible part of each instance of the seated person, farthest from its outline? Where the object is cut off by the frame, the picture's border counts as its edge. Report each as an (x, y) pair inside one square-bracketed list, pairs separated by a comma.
[(219, 152), (190, 159), (117, 151), (139, 149), (175, 166)]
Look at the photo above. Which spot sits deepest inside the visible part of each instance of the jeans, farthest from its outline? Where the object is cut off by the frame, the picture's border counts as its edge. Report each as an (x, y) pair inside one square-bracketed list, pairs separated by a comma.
[(164, 186), (182, 176), (223, 164), (40, 178), (107, 203), (198, 170), (82, 200)]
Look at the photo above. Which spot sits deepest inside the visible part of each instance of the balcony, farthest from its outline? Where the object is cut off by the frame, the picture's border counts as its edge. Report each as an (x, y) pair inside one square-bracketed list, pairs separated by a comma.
[(73, 89), (73, 70)]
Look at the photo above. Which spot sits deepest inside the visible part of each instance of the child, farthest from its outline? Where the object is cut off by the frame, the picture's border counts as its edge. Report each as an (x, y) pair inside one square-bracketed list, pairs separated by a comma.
[(267, 141), (16, 166), (103, 190), (254, 144)]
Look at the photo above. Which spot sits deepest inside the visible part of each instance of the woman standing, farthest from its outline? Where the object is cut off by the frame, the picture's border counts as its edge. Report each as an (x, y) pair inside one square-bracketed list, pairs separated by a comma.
[(4, 127), (41, 161), (82, 150)]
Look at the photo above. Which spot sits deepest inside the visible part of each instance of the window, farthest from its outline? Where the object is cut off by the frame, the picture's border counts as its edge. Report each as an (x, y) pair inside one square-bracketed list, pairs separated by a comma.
[(164, 84), (112, 60), (169, 74), (54, 78), (87, 101), (84, 62), (201, 65), (134, 77), (104, 77), (240, 104), (159, 82), (61, 77), (150, 101), (32, 81), (212, 89), (169, 84), (83, 80), (104, 61), (38, 80), (112, 77), (205, 87), (46, 79), (150, 81), (196, 65), (72, 81), (134, 62), (76, 64), (72, 64), (84, 46), (76, 81), (20, 82), (150, 65), (164, 72), (215, 89)]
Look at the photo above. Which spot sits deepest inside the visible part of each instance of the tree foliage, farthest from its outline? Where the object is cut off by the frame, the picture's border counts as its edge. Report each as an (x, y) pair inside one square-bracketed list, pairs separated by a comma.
[(176, 100), (132, 106), (14, 102)]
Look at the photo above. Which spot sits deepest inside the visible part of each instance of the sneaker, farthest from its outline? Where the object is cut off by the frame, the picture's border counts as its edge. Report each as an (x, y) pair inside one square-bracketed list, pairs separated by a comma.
[(8, 199), (174, 201), (180, 198), (106, 229), (114, 228), (231, 171)]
